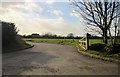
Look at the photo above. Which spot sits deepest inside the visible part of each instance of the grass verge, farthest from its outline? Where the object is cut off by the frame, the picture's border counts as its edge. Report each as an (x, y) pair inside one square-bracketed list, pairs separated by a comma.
[(100, 55)]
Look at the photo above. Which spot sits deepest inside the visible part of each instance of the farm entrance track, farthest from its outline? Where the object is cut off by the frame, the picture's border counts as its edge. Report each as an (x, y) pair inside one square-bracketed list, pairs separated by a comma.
[(54, 59)]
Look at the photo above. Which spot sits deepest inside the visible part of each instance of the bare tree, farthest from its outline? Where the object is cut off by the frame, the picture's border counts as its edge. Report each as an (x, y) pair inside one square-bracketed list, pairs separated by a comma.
[(98, 13)]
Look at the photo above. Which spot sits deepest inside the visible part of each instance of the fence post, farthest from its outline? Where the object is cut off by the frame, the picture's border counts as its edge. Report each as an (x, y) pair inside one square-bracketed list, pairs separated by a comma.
[(87, 41)]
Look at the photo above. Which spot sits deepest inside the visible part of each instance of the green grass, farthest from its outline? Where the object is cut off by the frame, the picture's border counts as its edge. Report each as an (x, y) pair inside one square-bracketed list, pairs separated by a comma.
[(73, 42), (60, 41), (94, 41)]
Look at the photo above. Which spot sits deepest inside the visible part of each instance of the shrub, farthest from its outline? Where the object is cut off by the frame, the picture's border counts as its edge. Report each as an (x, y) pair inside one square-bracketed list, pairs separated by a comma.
[(11, 41), (108, 49), (9, 33), (112, 49), (97, 47)]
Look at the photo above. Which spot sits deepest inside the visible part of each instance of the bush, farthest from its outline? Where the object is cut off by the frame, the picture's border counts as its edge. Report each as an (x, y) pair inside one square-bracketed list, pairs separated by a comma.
[(97, 47), (9, 33), (108, 49), (112, 49), (11, 41)]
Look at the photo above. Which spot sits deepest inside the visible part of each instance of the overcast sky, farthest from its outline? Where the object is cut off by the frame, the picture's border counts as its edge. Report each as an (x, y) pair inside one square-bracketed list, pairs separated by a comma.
[(42, 16)]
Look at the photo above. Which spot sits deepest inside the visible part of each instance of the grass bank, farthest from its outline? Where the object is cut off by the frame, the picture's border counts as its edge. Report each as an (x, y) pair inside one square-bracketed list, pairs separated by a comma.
[(17, 45), (100, 55)]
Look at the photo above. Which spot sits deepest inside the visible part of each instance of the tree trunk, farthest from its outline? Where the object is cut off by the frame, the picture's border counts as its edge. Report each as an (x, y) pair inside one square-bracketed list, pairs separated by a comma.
[(105, 24), (105, 36)]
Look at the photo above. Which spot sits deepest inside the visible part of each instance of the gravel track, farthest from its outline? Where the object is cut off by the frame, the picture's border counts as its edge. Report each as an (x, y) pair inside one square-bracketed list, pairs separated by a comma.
[(54, 59)]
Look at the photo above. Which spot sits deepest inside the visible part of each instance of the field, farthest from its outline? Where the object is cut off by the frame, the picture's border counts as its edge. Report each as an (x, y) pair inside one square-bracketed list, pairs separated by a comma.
[(61, 41), (94, 41), (56, 41)]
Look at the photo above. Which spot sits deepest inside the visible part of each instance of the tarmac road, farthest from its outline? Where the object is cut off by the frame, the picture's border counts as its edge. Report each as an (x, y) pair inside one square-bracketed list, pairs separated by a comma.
[(54, 59)]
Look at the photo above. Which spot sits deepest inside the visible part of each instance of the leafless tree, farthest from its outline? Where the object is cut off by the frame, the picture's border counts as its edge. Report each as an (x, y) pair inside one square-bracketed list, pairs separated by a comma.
[(98, 13)]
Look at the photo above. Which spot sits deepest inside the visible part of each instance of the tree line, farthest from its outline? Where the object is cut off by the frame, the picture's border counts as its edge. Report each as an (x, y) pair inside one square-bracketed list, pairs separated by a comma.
[(54, 36), (51, 36)]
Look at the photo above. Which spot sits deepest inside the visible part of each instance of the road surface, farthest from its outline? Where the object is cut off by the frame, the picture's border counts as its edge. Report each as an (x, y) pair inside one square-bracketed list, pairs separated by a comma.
[(54, 59)]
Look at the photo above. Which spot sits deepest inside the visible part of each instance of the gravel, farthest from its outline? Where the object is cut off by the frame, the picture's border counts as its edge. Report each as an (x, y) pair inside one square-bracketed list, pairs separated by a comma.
[(54, 59)]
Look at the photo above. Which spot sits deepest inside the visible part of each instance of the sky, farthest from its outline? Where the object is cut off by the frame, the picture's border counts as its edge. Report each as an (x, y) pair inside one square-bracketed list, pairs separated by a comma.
[(42, 16)]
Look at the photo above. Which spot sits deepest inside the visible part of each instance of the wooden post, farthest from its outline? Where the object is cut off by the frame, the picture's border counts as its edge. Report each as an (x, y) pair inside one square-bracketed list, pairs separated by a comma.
[(87, 41)]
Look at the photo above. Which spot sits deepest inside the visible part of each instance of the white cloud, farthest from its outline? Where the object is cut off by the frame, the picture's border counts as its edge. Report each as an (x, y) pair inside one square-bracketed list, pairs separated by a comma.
[(12, 0), (28, 23), (55, 12), (23, 5), (50, 1), (41, 25), (27, 8)]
